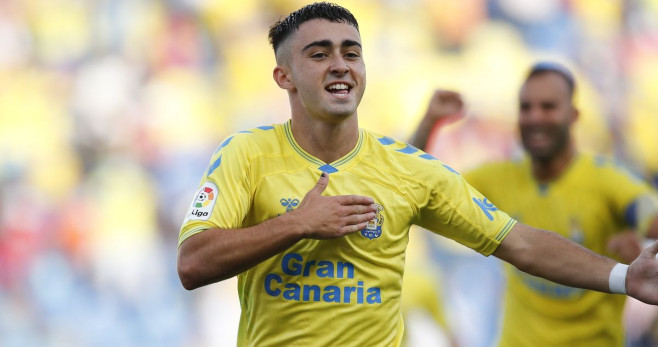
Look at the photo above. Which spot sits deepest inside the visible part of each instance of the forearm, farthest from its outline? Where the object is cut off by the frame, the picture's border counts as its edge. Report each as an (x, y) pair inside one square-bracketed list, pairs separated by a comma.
[(422, 134), (548, 255), (218, 254)]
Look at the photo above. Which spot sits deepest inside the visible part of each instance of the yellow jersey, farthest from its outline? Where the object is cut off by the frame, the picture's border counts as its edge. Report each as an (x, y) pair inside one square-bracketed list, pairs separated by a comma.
[(343, 291), (590, 202)]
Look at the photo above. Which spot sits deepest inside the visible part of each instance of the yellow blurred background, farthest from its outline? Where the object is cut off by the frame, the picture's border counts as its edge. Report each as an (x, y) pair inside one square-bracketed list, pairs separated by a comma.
[(110, 110)]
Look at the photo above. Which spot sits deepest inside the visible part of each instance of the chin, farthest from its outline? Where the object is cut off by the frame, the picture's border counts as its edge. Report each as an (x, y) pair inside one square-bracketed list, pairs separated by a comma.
[(342, 113), (542, 154)]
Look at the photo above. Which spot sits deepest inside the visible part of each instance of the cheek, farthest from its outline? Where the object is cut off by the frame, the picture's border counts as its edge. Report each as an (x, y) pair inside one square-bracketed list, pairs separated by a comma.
[(360, 71), (524, 121)]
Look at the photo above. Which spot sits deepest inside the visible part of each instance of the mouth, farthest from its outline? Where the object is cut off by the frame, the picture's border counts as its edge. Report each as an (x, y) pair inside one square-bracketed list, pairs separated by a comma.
[(538, 138), (340, 89)]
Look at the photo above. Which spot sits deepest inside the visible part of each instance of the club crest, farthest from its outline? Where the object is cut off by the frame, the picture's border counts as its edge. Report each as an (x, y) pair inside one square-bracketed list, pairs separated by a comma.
[(374, 228)]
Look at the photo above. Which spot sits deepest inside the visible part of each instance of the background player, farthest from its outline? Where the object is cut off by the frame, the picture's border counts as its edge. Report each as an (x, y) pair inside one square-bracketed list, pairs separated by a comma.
[(589, 199)]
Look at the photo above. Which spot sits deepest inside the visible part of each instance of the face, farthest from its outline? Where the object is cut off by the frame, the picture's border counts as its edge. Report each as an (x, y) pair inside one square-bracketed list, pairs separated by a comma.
[(323, 69), (545, 116)]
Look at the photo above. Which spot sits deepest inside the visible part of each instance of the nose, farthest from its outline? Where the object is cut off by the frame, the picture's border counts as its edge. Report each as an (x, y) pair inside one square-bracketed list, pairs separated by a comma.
[(339, 66), (530, 114)]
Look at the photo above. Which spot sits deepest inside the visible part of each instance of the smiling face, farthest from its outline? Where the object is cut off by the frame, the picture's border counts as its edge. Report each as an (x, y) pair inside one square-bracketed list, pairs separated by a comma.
[(321, 66), (546, 115)]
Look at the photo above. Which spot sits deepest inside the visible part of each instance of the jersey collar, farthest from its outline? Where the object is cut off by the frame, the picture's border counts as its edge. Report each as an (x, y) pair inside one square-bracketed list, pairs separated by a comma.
[(322, 166)]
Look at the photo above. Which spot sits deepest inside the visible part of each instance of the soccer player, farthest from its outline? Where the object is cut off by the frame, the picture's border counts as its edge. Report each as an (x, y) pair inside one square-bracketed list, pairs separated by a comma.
[(313, 215), (586, 198)]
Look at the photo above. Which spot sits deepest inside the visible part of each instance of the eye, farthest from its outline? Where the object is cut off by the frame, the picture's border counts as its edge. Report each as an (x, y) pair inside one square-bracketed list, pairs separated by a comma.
[(318, 55), (352, 55)]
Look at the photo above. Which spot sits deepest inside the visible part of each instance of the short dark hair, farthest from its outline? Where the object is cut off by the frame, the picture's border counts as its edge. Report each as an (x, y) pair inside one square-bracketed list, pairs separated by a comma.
[(323, 10), (543, 67)]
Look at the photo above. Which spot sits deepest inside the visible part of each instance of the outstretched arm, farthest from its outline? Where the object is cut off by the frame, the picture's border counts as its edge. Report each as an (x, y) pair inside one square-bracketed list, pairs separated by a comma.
[(549, 255), (217, 254), (444, 107)]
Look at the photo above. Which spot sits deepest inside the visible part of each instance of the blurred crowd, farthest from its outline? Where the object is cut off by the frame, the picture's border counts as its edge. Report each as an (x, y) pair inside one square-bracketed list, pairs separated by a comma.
[(110, 110)]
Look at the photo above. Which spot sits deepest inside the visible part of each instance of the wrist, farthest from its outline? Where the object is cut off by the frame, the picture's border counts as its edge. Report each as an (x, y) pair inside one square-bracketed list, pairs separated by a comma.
[(617, 279), (295, 224)]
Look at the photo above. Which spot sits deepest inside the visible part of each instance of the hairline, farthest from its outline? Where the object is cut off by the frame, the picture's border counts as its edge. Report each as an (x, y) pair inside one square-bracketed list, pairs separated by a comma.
[(570, 88), (285, 44), (282, 30)]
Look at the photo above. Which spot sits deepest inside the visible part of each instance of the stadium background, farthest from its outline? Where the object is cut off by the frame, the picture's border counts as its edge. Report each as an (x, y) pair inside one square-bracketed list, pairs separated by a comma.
[(110, 110)]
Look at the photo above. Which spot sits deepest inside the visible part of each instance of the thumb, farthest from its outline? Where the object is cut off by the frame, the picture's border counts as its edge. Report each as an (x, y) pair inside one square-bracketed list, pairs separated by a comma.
[(653, 249), (321, 185)]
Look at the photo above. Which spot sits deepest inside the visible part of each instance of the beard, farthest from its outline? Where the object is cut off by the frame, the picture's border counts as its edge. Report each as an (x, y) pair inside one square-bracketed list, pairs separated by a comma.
[(559, 139)]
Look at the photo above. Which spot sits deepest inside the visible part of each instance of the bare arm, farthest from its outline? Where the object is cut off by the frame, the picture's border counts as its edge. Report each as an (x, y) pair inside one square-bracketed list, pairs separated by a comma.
[(546, 254), (217, 254), (444, 106), (549, 255)]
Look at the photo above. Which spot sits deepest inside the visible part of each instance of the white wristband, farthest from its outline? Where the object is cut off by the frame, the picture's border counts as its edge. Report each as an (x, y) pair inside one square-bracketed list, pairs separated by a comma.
[(617, 279)]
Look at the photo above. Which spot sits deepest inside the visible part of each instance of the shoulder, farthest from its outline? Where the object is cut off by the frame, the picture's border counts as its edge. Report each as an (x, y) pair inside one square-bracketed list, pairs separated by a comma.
[(241, 147), (402, 157), (252, 142)]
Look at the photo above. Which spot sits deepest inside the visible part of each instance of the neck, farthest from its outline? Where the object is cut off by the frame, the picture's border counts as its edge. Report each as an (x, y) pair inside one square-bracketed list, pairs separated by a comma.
[(326, 141), (550, 169)]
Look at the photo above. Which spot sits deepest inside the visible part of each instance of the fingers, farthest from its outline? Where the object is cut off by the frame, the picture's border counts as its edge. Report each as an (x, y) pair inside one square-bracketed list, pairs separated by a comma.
[(358, 221), (335, 216), (322, 184), (344, 200), (347, 200), (445, 105), (349, 229), (448, 95)]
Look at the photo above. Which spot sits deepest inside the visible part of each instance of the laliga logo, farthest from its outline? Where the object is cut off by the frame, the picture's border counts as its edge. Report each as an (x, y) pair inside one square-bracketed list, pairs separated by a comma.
[(202, 200), (374, 228)]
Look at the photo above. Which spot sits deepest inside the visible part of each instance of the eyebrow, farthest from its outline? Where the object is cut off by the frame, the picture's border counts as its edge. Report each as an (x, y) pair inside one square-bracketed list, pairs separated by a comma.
[(328, 43)]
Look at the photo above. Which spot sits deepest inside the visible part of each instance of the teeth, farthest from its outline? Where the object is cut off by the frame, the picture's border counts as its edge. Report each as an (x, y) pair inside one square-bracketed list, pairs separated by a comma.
[(538, 136), (338, 86)]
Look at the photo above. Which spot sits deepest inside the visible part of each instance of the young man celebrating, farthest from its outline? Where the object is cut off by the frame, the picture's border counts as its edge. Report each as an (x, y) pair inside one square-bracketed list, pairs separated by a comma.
[(319, 260), (588, 199)]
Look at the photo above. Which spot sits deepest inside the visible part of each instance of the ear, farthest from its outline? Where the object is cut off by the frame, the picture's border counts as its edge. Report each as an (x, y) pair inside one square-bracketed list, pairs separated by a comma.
[(575, 114), (281, 75)]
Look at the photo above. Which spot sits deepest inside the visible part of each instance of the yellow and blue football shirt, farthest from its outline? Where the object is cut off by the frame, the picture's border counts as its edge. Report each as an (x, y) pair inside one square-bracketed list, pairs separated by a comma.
[(343, 291), (589, 203)]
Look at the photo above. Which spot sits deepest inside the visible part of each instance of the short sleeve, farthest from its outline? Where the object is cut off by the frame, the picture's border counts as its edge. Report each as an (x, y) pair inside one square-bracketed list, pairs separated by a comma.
[(224, 194), (456, 210)]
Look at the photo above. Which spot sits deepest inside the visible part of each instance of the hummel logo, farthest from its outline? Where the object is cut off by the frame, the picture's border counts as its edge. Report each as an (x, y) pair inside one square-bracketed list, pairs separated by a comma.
[(289, 204)]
